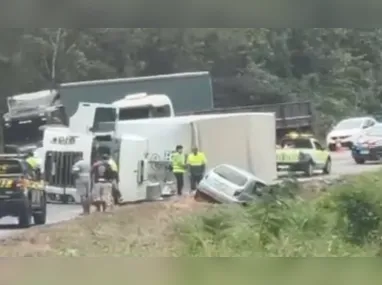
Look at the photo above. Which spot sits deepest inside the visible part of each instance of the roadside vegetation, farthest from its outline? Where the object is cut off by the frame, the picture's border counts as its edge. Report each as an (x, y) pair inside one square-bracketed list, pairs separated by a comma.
[(343, 219), (346, 220)]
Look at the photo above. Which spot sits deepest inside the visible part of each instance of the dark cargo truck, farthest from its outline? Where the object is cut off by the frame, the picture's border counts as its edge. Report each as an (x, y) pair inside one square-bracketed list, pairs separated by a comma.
[(191, 91), (290, 116)]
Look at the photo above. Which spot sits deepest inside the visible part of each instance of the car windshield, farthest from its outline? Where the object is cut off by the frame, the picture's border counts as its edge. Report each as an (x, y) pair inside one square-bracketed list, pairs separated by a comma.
[(349, 124), (375, 131), (296, 143), (23, 132)]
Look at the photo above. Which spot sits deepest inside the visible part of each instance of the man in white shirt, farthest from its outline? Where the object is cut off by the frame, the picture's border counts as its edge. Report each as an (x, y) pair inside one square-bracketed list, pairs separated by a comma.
[(81, 170)]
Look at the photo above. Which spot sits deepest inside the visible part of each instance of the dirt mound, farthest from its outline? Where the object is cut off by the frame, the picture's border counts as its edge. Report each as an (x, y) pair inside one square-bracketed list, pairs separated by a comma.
[(135, 230)]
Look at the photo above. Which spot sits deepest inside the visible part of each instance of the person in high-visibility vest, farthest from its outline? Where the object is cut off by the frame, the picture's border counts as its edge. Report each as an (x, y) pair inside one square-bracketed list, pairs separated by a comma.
[(196, 162), (34, 163), (178, 163), (115, 190)]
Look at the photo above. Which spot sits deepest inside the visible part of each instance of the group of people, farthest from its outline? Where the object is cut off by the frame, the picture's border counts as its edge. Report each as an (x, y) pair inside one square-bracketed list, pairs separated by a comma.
[(97, 184), (193, 163)]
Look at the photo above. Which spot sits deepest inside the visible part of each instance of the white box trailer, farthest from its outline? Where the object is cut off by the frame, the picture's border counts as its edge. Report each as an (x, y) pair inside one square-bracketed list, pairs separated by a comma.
[(246, 140)]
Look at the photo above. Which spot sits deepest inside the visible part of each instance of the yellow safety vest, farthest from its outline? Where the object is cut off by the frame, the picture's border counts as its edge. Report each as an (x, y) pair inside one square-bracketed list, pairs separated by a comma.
[(113, 165), (178, 161), (196, 159), (33, 162)]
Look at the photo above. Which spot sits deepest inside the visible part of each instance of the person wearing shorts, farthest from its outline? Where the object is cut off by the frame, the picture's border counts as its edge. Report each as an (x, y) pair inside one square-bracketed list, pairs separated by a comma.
[(102, 175), (81, 171)]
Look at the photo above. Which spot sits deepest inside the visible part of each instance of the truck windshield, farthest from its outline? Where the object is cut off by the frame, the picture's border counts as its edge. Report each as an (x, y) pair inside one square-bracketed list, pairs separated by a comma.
[(144, 113), (22, 132)]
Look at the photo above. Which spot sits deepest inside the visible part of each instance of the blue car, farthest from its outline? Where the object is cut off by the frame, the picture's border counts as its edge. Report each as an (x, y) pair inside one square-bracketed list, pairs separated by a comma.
[(369, 146)]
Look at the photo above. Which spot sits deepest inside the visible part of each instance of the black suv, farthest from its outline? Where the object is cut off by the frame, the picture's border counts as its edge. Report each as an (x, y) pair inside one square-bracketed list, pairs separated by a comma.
[(22, 193)]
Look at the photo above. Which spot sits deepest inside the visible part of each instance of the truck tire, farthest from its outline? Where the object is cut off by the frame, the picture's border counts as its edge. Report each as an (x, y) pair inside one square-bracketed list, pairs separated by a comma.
[(39, 218), (25, 215)]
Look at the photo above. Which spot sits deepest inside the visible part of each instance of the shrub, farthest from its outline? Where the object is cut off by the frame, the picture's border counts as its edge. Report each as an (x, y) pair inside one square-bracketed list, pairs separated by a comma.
[(344, 221)]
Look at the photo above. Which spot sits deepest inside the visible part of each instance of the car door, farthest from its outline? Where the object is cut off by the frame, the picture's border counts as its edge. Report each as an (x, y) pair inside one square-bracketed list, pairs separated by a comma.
[(320, 153)]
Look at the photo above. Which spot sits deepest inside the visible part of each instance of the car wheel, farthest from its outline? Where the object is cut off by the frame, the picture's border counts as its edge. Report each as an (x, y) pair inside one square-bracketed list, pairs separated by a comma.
[(359, 160), (328, 166), (25, 215), (309, 169), (332, 147), (40, 217)]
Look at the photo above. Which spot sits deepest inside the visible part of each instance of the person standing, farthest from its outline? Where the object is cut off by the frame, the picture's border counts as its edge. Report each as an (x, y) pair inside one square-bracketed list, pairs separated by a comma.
[(102, 177), (178, 163), (81, 170), (196, 162), (35, 164), (115, 189)]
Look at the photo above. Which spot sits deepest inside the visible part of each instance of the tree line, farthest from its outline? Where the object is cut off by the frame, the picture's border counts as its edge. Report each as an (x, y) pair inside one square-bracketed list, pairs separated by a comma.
[(338, 69)]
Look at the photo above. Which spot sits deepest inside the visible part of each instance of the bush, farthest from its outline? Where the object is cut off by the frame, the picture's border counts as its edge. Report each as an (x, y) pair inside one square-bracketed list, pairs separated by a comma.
[(343, 221)]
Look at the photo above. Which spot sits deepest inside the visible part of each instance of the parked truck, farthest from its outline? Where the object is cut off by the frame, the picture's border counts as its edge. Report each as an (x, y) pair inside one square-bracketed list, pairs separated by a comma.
[(290, 116), (135, 98)]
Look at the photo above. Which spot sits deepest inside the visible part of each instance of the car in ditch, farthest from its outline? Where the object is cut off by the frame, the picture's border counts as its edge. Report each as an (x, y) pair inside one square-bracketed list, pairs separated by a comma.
[(302, 153), (368, 147), (228, 184), (22, 193)]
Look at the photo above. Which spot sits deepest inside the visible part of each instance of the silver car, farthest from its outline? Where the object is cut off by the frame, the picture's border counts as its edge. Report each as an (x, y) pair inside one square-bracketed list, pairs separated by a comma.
[(229, 184)]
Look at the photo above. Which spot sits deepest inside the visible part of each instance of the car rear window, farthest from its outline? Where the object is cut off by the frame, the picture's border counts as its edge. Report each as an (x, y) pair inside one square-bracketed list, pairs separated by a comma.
[(231, 175), (296, 143), (8, 166)]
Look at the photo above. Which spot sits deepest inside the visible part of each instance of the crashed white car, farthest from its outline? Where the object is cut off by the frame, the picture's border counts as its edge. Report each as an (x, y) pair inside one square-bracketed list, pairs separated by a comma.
[(229, 184)]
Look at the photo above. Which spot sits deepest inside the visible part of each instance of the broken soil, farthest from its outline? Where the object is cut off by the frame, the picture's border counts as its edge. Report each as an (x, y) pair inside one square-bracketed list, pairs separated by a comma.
[(135, 230)]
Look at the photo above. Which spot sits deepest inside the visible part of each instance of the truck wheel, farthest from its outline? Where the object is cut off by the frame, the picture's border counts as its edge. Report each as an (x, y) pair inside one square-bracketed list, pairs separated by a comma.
[(359, 160), (328, 166), (40, 217), (25, 215), (309, 169)]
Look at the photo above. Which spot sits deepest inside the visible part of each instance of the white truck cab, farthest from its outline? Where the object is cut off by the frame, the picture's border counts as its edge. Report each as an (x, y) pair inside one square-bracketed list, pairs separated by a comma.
[(143, 105), (61, 147)]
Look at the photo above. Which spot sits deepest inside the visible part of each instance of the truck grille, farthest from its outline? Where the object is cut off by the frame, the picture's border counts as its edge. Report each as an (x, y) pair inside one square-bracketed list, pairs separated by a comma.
[(58, 168)]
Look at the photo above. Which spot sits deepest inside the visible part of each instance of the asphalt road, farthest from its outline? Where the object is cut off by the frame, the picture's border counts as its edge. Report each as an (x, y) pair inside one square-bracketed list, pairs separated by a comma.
[(342, 164)]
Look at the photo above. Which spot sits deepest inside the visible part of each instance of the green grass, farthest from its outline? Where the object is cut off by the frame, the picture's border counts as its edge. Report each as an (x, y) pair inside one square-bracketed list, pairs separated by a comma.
[(344, 221)]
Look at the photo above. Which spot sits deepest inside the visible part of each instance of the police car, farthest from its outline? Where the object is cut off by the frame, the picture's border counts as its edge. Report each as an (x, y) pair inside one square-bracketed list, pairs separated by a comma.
[(22, 194), (229, 184), (302, 152)]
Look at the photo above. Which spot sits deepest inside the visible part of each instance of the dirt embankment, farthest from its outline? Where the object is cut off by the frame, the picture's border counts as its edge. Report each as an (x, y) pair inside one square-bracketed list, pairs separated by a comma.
[(135, 230)]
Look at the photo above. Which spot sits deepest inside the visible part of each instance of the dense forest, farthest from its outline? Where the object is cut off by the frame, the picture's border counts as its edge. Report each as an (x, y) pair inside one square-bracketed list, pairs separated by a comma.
[(339, 69)]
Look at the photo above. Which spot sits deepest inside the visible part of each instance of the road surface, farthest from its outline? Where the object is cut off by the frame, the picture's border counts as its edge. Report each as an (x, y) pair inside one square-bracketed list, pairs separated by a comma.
[(342, 164)]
